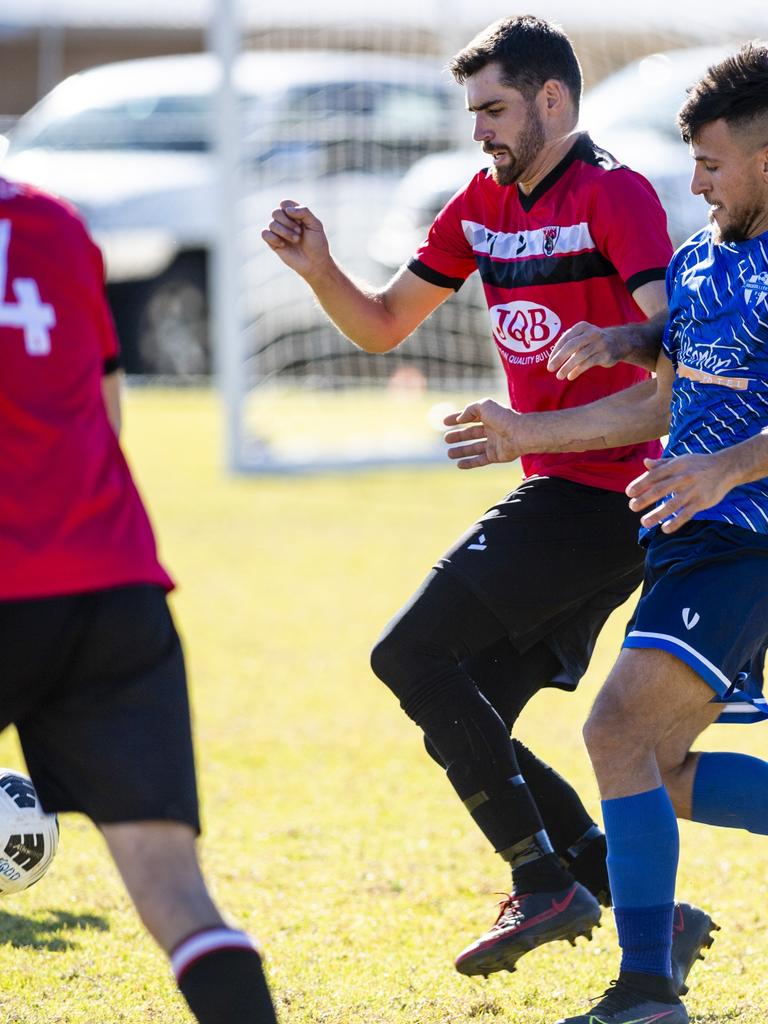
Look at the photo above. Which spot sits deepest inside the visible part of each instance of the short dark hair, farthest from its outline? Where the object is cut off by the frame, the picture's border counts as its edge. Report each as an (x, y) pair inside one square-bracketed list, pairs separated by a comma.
[(735, 89), (529, 50)]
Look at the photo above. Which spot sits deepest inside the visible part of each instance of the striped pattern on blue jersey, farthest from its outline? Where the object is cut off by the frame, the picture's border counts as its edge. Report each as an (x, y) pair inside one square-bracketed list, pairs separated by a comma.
[(717, 340)]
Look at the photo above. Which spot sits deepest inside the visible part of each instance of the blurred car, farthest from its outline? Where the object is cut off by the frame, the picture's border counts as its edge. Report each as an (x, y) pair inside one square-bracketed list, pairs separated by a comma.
[(632, 114), (130, 144)]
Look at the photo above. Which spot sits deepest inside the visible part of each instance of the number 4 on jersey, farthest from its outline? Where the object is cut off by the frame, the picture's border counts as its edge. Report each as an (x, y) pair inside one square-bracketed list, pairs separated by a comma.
[(29, 313)]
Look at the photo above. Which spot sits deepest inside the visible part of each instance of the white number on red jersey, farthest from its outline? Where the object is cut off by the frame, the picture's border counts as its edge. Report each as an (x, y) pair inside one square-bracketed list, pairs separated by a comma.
[(28, 313)]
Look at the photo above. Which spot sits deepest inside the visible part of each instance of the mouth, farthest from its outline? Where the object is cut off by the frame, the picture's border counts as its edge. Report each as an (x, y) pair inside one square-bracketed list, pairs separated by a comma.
[(495, 154)]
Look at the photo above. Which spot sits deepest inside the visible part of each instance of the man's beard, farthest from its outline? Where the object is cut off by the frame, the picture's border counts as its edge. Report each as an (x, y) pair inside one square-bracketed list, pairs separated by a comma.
[(739, 226), (529, 145)]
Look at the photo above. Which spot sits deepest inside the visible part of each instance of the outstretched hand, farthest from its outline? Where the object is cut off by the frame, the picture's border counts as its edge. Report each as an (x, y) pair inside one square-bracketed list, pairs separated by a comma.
[(689, 483), (297, 237), (487, 435)]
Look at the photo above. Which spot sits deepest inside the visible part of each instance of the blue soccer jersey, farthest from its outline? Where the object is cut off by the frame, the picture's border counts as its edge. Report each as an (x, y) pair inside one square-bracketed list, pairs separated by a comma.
[(717, 340)]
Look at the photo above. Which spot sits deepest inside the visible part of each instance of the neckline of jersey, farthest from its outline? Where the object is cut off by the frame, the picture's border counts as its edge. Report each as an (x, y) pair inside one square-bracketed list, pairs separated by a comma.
[(745, 243), (581, 144)]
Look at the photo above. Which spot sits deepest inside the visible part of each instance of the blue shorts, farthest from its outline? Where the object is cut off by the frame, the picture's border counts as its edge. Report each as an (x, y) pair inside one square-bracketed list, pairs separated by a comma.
[(705, 600)]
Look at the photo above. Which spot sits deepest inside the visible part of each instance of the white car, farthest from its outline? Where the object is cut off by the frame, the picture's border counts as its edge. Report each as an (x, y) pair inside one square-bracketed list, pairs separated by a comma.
[(130, 144)]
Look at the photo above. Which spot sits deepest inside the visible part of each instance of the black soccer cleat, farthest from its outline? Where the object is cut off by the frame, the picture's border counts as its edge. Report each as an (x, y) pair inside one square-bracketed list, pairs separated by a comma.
[(528, 920), (691, 934), (622, 1004)]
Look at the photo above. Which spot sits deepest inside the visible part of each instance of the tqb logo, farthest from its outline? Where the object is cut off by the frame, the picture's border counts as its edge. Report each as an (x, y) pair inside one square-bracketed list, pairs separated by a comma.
[(756, 288), (524, 326)]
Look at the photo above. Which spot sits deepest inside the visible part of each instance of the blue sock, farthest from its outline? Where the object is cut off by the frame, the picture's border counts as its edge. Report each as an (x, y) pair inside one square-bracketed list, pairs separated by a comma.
[(731, 790), (643, 847)]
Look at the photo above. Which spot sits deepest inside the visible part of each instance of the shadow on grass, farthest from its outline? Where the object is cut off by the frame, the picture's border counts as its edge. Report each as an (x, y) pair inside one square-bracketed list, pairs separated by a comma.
[(716, 1018), (45, 933)]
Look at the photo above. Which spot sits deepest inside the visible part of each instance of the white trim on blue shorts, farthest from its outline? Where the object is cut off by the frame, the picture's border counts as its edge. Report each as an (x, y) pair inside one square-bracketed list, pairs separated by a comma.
[(744, 712), (710, 673), (743, 709)]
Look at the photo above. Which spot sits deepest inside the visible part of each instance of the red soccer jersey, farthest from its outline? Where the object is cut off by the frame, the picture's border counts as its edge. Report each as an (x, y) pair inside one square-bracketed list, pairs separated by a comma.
[(574, 249), (71, 519)]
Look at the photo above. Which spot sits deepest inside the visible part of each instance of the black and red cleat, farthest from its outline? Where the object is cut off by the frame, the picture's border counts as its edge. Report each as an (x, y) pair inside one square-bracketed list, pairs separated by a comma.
[(691, 934), (528, 920)]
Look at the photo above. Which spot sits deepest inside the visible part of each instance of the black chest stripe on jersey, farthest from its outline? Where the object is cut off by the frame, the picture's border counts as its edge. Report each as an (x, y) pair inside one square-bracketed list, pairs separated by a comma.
[(544, 270)]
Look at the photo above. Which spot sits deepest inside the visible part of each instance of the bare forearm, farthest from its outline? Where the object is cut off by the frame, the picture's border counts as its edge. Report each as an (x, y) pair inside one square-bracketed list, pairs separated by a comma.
[(298, 238), (110, 390), (640, 343), (358, 310), (627, 417), (746, 461)]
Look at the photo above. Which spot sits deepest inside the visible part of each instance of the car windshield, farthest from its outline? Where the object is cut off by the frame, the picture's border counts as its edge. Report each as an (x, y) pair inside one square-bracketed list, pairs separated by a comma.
[(316, 113), (389, 104), (150, 122)]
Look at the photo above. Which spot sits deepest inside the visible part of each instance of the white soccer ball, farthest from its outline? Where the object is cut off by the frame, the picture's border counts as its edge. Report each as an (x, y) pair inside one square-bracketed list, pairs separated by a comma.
[(28, 836)]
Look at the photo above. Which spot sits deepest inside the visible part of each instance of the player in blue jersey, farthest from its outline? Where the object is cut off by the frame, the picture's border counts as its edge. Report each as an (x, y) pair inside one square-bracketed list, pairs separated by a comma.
[(695, 648)]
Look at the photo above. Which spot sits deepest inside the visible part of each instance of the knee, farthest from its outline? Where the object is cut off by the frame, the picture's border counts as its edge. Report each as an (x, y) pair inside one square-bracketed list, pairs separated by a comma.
[(386, 658), (605, 730), (402, 660)]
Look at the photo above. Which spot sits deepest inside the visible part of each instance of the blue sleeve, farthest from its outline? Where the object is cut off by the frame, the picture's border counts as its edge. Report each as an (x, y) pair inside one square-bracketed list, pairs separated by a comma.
[(669, 341)]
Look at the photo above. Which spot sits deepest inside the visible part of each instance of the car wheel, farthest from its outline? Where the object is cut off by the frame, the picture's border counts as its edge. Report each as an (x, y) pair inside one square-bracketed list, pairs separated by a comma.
[(172, 321)]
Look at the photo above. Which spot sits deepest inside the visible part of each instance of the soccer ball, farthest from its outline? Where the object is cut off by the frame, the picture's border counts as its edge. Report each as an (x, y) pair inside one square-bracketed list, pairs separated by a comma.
[(28, 836)]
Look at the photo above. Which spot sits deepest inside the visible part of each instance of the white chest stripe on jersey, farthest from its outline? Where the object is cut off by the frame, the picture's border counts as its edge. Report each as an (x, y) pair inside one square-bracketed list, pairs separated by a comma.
[(520, 245)]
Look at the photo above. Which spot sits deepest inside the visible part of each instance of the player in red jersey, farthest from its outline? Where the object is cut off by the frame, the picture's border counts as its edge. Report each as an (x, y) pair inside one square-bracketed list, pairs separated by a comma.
[(93, 672), (563, 237)]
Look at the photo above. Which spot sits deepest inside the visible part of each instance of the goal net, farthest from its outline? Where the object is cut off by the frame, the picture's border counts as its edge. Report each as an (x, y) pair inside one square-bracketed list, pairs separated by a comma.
[(348, 110)]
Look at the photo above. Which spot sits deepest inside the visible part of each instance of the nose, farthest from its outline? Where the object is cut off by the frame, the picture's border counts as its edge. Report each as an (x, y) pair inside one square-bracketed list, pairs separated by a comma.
[(482, 131), (699, 181)]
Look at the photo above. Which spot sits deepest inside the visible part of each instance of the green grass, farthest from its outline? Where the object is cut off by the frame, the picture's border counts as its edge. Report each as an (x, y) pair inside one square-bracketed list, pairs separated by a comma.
[(328, 833)]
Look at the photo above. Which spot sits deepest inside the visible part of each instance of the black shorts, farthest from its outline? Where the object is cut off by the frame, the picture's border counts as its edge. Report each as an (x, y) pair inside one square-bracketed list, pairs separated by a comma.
[(96, 686), (552, 561)]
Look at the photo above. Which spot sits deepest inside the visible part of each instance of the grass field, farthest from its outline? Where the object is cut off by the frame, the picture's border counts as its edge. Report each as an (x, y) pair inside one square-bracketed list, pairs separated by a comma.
[(329, 834)]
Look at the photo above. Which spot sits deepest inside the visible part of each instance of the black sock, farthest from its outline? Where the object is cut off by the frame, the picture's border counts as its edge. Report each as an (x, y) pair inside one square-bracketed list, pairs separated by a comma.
[(420, 656), (545, 874), (655, 986), (587, 862), (574, 835), (219, 972), (564, 815)]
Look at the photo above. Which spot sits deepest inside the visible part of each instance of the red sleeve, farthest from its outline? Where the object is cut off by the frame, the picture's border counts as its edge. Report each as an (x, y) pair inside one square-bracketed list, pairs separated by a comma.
[(629, 227), (445, 257)]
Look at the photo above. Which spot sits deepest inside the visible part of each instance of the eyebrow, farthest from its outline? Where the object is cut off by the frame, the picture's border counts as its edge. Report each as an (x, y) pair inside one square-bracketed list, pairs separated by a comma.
[(706, 159), (484, 106)]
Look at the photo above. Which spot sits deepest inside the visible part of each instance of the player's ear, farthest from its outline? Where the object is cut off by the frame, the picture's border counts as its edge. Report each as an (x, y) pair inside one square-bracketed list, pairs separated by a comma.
[(555, 96)]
